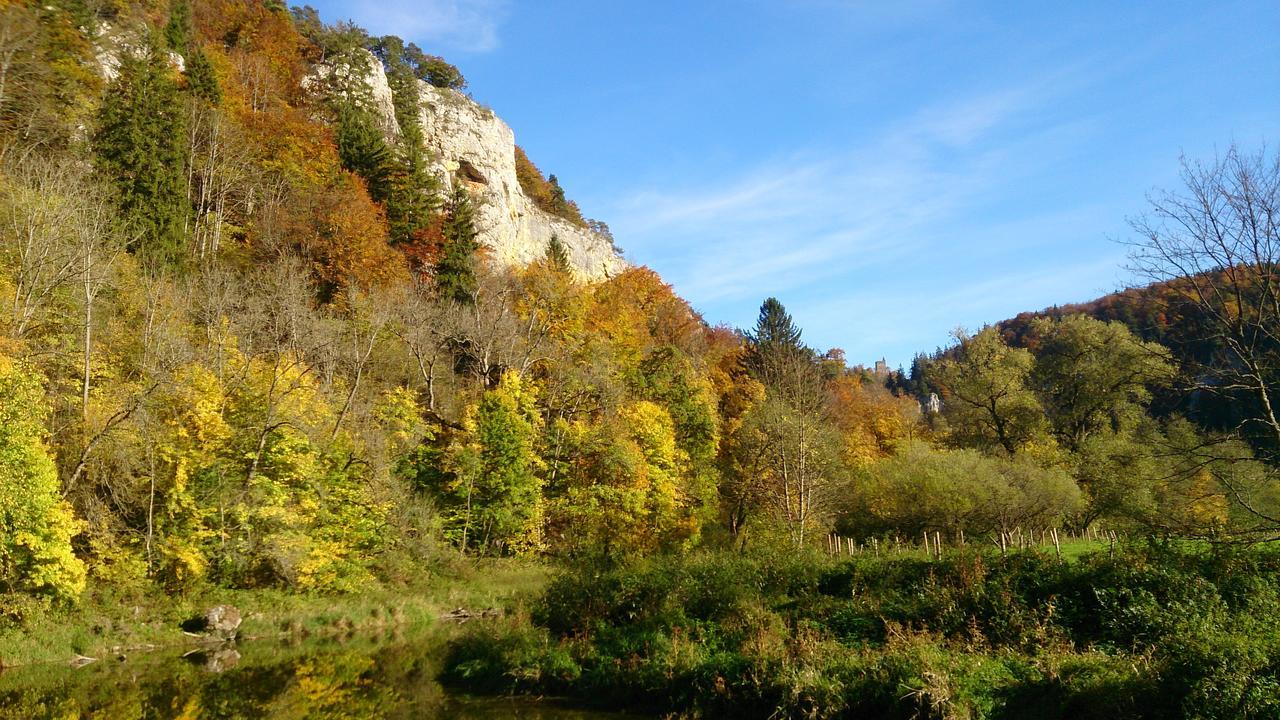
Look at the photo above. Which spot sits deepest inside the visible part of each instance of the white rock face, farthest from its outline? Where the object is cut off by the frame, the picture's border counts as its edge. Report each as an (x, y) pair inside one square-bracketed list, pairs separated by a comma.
[(114, 42), (469, 142), (463, 140), (378, 98)]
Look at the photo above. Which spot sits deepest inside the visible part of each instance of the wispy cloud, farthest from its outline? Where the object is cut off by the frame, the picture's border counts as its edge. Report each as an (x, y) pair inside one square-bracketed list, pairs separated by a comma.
[(466, 25), (882, 214), (872, 319), (799, 215)]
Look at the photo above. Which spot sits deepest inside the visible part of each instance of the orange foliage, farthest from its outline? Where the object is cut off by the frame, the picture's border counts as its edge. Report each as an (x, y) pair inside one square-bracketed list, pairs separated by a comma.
[(306, 201), (636, 311), (425, 246), (872, 420), (263, 45), (344, 233)]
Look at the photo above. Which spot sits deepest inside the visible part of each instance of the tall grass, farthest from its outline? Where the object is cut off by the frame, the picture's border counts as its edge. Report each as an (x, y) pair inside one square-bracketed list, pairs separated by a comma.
[(1149, 632)]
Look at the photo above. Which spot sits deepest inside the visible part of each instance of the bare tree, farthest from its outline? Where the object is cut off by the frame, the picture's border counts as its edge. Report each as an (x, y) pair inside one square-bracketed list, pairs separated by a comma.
[(216, 177), (489, 335), (420, 327), (365, 326), (40, 212), (1217, 245)]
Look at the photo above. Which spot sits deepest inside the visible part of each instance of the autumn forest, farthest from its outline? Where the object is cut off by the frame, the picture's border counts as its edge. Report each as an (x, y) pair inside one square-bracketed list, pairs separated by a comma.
[(254, 349)]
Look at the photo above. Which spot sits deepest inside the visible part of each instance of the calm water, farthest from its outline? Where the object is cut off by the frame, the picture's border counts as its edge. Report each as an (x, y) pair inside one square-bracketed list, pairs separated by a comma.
[(356, 678)]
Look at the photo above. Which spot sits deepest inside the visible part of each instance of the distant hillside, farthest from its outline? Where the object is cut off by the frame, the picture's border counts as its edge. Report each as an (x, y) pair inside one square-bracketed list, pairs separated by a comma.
[(1163, 313), (1157, 313)]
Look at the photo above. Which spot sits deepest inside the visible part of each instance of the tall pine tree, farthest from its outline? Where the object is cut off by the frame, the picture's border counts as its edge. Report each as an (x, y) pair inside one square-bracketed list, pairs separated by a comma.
[(455, 271), (413, 193), (140, 148), (363, 150), (202, 81), (177, 33), (775, 331), (774, 350)]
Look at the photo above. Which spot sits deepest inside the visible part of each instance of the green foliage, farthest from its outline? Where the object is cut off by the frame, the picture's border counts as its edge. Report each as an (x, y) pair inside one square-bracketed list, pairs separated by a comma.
[(775, 354), (140, 148), (628, 488), (455, 271), (1149, 633), (495, 499), (202, 81), (363, 150), (557, 254), (296, 411), (482, 660), (36, 526), (959, 490), (177, 32), (338, 43), (668, 377), (1094, 376), (987, 398), (413, 197), (775, 331), (437, 71), (431, 69)]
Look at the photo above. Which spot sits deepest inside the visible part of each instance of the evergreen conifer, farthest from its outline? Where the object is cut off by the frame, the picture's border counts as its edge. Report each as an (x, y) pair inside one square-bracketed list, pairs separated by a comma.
[(456, 269), (140, 147)]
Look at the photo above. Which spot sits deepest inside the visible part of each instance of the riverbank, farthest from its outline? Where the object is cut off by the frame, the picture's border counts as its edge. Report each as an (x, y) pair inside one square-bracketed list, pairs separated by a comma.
[(1150, 631), (363, 674), (109, 623), (1138, 631)]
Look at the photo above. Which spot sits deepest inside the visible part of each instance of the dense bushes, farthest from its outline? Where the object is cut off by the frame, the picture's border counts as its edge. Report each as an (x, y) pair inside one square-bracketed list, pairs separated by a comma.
[(922, 488), (1151, 632), (35, 521)]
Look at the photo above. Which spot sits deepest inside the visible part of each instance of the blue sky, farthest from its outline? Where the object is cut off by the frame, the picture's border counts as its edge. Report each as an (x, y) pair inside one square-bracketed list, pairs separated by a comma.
[(889, 170)]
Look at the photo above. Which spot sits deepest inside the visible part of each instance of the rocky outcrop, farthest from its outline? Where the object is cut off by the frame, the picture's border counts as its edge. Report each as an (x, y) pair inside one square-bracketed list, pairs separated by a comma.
[(473, 146), (368, 89), (115, 42), (467, 143), (222, 622)]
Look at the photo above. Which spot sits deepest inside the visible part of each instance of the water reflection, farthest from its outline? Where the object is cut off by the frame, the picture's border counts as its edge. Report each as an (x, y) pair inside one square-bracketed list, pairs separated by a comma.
[(356, 678)]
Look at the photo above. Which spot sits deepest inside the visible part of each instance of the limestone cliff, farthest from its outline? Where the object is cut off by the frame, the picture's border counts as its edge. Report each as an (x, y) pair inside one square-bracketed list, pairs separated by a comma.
[(473, 145), (468, 143)]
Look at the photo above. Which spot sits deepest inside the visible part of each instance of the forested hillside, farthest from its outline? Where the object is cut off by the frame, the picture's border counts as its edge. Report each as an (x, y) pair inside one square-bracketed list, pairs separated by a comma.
[(249, 341), (1168, 313), (249, 344)]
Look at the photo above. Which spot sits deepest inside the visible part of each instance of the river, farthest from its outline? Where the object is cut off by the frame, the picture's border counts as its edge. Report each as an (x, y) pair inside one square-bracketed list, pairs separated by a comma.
[(360, 677)]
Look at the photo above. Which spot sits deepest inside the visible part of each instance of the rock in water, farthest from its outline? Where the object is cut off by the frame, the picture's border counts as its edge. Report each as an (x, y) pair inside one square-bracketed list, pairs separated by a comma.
[(222, 621), (220, 660)]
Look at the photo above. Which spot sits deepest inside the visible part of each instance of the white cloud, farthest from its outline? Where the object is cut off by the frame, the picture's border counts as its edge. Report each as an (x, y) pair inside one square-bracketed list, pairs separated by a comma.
[(800, 217), (466, 25), (896, 231)]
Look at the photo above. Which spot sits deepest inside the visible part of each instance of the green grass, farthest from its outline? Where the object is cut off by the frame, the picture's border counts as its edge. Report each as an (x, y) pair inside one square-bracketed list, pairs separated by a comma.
[(110, 621), (1153, 630)]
